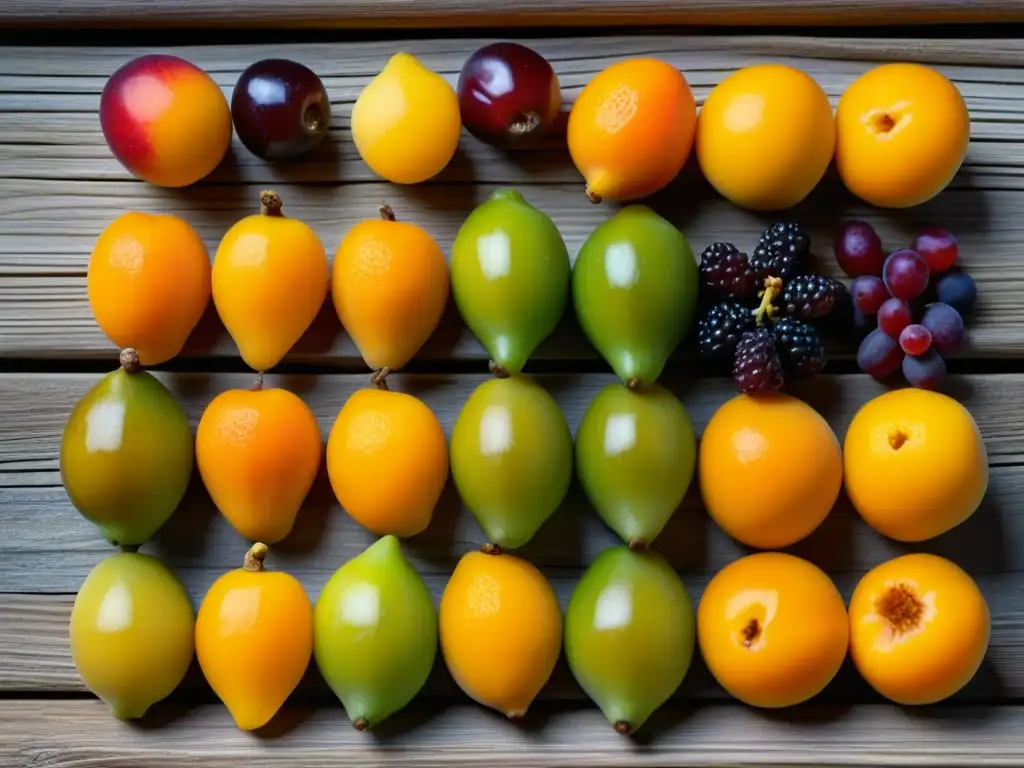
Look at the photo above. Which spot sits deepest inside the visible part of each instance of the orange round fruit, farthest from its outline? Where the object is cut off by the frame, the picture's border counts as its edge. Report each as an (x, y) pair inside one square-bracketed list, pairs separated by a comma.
[(919, 628), (149, 283), (387, 459), (772, 629), (770, 469), (631, 129), (765, 136), (916, 465), (902, 132)]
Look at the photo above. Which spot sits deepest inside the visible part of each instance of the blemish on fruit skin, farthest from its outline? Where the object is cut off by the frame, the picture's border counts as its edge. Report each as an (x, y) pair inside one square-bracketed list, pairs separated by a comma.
[(902, 612), (751, 611), (617, 110), (897, 439)]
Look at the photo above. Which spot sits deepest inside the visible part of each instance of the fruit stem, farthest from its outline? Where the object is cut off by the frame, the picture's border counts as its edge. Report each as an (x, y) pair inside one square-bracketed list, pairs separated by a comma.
[(772, 288), (637, 545), (258, 384), (386, 212), (270, 203), (254, 557), (633, 383), (380, 378), (129, 360), (497, 369), (623, 727), (592, 197), (361, 724), (492, 549)]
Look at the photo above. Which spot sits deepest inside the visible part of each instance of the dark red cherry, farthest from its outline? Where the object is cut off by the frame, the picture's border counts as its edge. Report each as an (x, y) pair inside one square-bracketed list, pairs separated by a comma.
[(508, 95), (280, 109)]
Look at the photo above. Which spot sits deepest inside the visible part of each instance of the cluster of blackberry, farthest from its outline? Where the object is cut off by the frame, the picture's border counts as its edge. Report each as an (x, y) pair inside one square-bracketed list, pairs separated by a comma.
[(762, 307)]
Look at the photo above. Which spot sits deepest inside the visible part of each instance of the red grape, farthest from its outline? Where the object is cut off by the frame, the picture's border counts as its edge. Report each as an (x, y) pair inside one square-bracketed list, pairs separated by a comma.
[(924, 371), (938, 248), (957, 289), (905, 274), (879, 354), (508, 95), (859, 249), (869, 293), (946, 327), (916, 339), (893, 316)]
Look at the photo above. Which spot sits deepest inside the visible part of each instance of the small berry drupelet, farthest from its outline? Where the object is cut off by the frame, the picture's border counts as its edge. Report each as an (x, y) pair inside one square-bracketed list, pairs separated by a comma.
[(758, 368), (726, 272), (800, 347), (720, 329), (783, 251), (811, 296)]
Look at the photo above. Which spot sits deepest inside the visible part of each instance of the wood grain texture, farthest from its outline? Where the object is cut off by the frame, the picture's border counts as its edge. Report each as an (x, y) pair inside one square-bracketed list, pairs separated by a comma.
[(63, 186)]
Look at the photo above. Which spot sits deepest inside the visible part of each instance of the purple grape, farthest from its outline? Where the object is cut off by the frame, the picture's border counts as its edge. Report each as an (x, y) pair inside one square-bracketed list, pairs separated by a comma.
[(869, 293), (905, 274), (957, 289), (879, 354), (938, 248), (858, 249), (946, 326), (916, 339), (924, 371), (893, 316)]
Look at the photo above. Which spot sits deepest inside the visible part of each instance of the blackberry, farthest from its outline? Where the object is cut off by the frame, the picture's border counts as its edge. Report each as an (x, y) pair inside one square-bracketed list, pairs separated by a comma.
[(757, 368), (783, 251), (811, 296), (799, 347), (720, 329), (724, 271)]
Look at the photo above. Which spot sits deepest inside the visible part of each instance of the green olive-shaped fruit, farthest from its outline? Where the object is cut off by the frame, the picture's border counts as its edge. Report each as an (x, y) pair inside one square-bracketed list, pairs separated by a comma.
[(126, 454), (634, 288), (511, 458), (635, 458), (629, 634), (375, 633), (132, 632), (510, 277)]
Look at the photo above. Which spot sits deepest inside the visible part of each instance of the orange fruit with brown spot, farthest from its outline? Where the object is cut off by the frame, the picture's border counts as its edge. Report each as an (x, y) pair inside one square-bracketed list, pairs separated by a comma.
[(258, 452), (148, 283), (919, 628), (389, 283)]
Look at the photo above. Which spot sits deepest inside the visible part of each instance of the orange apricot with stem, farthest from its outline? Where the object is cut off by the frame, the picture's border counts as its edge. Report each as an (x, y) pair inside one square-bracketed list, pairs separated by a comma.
[(254, 639)]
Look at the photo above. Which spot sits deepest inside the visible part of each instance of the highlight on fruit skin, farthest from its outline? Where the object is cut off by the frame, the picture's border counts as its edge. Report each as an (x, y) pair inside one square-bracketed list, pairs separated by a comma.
[(631, 129)]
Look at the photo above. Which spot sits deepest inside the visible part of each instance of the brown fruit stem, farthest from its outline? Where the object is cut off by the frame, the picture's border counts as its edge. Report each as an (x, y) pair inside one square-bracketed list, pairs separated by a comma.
[(637, 545), (901, 608), (254, 557), (623, 727), (497, 369), (772, 288), (258, 384), (492, 549), (751, 632), (595, 199), (361, 724), (270, 203), (633, 383), (386, 212), (380, 378), (129, 360)]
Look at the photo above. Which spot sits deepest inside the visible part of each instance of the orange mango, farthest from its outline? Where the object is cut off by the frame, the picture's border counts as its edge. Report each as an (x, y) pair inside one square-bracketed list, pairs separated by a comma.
[(148, 283), (258, 452), (270, 278), (389, 285), (254, 639)]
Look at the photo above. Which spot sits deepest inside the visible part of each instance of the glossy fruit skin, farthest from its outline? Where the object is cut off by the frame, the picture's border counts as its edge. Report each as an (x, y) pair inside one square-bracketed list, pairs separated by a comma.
[(958, 290), (858, 249), (770, 469), (405, 123), (938, 247), (387, 460), (631, 129), (905, 274), (389, 285), (254, 640), (258, 453), (931, 662), (375, 633), (893, 316), (869, 294), (915, 464), (510, 277), (148, 283), (946, 326), (165, 120), (270, 278), (501, 630), (879, 354), (635, 458), (280, 109), (511, 458), (901, 135), (126, 456), (508, 95), (802, 632), (629, 634), (765, 136), (634, 288), (131, 632)]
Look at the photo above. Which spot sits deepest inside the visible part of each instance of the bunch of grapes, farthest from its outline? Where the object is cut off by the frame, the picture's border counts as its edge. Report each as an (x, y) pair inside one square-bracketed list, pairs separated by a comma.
[(912, 301), (763, 307)]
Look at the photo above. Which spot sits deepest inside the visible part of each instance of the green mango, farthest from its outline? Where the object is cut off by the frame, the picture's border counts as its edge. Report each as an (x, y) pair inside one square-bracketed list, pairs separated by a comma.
[(629, 634), (511, 458), (510, 277), (635, 458), (375, 633), (634, 288), (126, 454)]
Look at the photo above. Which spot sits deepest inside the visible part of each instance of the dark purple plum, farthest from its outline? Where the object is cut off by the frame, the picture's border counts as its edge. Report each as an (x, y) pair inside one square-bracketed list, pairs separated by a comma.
[(905, 274), (280, 109), (938, 248), (859, 249), (869, 293), (879, 354), (924, 371), (946, 326), (916, 339), (893, 316), (957, 289)]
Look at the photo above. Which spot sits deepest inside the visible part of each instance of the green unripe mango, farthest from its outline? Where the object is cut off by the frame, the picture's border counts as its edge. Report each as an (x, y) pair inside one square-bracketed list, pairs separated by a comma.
[(629, 634), (510, 277), (635, 458), (126, 454), (375, 633), (634, 289), (511, 458)]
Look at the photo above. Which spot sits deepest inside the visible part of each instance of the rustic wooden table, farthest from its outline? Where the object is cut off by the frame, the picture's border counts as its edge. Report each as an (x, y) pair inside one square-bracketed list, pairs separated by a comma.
[(61, 186)]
